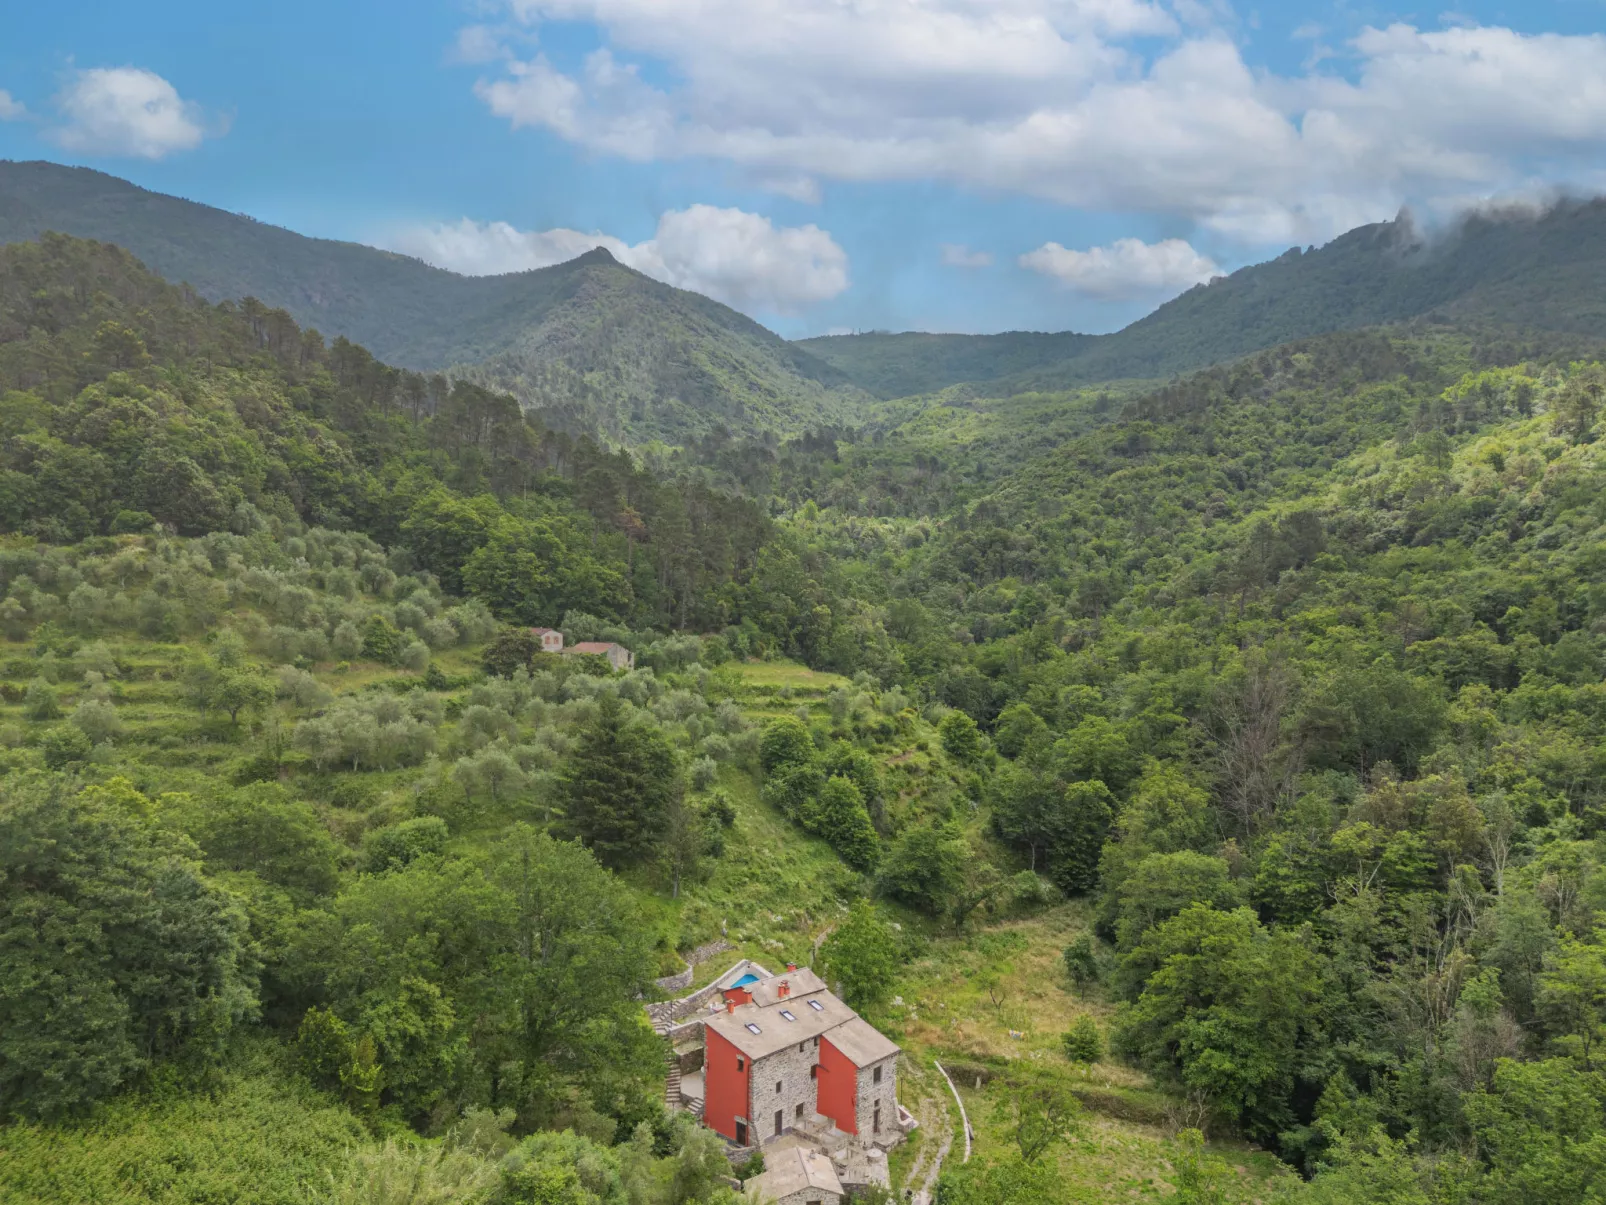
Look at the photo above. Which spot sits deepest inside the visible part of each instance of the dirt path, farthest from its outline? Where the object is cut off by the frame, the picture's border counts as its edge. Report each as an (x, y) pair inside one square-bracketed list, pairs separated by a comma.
[(936, 1120)]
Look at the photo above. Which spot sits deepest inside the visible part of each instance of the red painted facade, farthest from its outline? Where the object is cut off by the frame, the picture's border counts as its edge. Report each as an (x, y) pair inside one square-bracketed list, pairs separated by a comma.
[(726, 1089), (838, 1088)]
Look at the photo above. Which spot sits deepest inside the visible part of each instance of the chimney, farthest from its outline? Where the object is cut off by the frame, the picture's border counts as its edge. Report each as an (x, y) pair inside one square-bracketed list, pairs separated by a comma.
[(785, 990), (730, 1005), (792, 966)]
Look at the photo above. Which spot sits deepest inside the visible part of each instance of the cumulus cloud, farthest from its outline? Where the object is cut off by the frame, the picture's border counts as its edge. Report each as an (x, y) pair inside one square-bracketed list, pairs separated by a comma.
[(1103, 104), (126, 111), (1127, 270), (957, 255), (11, 109), (740, 258)]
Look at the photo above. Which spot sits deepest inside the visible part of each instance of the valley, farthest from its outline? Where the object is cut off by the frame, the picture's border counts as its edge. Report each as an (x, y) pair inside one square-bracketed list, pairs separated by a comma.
[(1191, 737)]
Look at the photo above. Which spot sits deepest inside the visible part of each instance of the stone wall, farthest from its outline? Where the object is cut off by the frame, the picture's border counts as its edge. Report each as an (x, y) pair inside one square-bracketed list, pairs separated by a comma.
[(790, 1067), (886, 1094)]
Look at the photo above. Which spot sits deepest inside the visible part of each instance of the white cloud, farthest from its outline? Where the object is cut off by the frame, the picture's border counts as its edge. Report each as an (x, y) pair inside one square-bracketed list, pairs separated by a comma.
[(739, 258), (478, 44), (957, 255), (11, 109), (126, 111), (1101, 104), (1127, 270)]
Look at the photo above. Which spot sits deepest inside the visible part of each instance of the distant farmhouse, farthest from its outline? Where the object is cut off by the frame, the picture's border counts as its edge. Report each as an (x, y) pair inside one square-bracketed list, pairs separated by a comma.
[(780, 1062), (618, 655)]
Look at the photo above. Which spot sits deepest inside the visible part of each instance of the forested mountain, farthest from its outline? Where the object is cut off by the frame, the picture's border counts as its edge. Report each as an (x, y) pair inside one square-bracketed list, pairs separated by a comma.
[(1225, 757), (1516, 269), (598, 347)]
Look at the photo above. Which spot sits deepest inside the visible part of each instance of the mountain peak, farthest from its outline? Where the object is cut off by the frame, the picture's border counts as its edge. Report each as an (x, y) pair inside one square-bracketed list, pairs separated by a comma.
[(597, 255)]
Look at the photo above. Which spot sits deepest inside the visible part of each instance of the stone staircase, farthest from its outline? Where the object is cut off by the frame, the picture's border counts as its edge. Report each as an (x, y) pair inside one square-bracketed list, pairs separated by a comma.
[(671, 1080)]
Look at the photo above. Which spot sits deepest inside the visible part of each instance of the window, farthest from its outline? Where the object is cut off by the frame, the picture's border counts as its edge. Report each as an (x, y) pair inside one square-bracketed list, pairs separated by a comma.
[(816, 1043), (800, 1047), (740, 1066), (741, 1133), (816, 1006), (780, 1120), (877, 1076), (800, 1112), (814, 1071), (777, 1087), (876, 1125), (788, 1015), (751, 1028)]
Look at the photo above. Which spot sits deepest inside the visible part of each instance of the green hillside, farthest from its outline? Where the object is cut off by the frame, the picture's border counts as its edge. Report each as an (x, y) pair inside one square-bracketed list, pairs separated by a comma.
[(1212, 776), (596, 346), (1516, 269)]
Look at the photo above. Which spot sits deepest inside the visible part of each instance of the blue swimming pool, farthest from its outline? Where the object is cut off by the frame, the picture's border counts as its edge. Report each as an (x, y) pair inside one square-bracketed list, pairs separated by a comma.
[(745, 980)]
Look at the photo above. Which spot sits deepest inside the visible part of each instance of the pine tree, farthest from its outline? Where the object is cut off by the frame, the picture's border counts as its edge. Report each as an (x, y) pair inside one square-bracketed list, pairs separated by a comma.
[(619, 785)]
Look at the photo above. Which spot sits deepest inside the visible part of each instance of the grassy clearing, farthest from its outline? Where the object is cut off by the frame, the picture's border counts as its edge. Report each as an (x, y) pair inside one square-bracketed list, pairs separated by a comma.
[(1001, 994)]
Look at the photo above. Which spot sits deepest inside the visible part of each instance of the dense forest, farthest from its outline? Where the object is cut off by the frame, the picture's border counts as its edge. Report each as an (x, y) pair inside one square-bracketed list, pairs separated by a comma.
[(1211, 772)]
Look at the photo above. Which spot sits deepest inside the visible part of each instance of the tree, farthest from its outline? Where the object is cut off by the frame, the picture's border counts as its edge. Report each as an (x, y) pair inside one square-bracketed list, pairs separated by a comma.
[(1162, 885), (65, 746), (120, 955), (1578, 404), (1081, 961), (784, 742), (1018, 728), (1225, 1007), (493, 770), (861, 957), (685, 840), (1040, 1110), (618, 786), (40, 702), (237, 691), (961, 739), (1075, 831), (1572, 995), (839, 816), (926, 867)]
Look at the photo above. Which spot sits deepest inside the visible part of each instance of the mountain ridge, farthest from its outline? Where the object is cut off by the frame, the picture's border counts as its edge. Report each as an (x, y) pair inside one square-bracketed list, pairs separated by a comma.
[(646, 361), (1513, 267)]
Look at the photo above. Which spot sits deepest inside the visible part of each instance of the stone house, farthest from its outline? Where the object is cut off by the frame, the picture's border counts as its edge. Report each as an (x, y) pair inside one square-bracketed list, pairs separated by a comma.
[(618, 656), (782, 1054), (796, 1176), (551, 639)]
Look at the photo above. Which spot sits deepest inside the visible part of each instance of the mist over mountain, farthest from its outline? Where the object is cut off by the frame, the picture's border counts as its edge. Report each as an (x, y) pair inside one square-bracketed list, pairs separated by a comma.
[(1519, 267)]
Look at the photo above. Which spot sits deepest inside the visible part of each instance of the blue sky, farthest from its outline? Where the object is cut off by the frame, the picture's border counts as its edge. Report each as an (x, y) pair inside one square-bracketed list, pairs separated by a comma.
[(826, 164)]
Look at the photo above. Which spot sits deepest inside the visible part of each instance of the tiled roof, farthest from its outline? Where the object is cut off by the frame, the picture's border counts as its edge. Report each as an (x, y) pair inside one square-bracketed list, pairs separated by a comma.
[(794, 1171), (592, 646), (814, 1012)]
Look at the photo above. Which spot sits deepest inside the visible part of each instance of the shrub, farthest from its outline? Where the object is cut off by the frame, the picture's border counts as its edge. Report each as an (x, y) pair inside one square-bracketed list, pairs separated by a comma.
[(98, 720), (1083, 1041), (40, 703), (65, 746)]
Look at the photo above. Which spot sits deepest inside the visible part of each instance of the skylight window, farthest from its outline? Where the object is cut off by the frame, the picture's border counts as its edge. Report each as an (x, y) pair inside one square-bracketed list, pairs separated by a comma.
[(788, 1015), (751, 1028), (816, 1006)]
